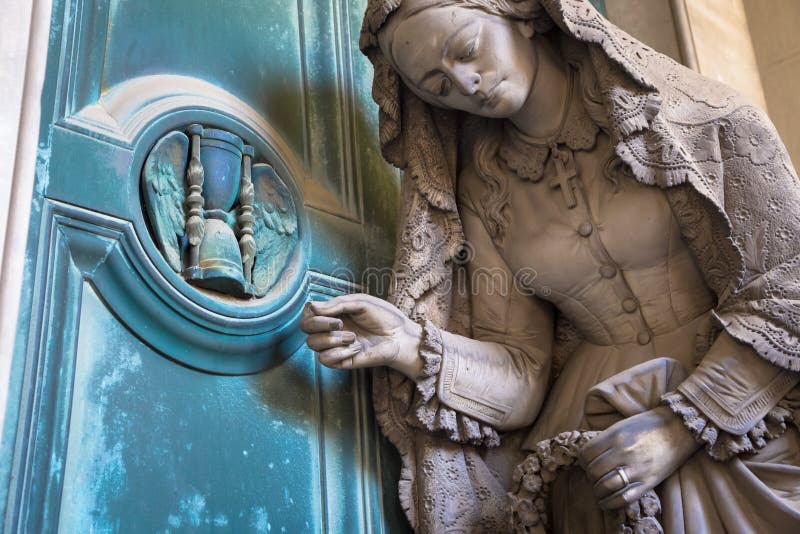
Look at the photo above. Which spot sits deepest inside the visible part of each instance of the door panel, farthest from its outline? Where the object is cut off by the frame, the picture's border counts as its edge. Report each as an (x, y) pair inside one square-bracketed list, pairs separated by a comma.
[(151, 405), (142, 427)]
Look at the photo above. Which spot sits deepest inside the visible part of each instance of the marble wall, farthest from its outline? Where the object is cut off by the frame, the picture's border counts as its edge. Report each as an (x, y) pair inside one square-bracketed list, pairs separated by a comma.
[(651, 22), (723, 46), (23, 53), (751, 45), (776, 43)]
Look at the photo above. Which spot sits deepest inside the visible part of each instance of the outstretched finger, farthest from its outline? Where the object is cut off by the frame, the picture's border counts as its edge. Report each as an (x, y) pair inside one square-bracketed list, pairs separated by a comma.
[(345, 304), (327, 340), (314, 324), (380, 354), (332, 357)]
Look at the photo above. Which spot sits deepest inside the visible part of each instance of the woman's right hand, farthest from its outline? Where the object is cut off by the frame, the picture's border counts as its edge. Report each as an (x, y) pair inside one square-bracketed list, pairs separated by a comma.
[(355, 331)]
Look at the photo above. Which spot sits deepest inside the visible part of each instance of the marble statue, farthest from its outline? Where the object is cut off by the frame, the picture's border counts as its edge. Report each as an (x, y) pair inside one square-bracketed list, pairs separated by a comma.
[(625, 355)]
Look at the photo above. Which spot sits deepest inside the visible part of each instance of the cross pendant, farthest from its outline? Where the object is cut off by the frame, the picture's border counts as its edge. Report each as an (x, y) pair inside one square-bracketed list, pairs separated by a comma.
[(564, 161)]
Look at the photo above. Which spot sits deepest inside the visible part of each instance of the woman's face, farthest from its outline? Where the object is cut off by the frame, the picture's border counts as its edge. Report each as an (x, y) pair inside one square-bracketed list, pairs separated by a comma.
[(465, 59)]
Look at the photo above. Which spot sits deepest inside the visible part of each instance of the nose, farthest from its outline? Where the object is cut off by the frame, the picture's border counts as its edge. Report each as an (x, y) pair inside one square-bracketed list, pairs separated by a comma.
[(466, 80)]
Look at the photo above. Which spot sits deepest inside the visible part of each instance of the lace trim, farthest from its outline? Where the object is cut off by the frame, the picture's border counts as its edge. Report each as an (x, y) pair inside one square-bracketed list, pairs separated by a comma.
[(429, 413), (527, 156), (721, 445)]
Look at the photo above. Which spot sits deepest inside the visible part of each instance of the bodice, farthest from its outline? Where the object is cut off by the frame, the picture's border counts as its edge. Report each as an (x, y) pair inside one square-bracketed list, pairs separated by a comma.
[(609, 255)]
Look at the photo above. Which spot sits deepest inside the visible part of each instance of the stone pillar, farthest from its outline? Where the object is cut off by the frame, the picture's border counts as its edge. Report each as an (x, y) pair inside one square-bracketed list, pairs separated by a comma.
[(651, 22), (723, 46), (751, 45), (23, 43), (776, 42)]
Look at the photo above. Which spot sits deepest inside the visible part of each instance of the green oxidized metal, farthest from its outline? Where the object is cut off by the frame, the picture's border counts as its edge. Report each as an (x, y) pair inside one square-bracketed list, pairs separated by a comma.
[(213, 225)]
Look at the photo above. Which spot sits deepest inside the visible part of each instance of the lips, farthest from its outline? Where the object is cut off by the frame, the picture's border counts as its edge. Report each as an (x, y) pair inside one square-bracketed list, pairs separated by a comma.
[(491, 97)]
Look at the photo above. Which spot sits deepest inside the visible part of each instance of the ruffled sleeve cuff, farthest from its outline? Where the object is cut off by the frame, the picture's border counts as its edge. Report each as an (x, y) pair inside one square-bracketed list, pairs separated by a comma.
[(722, 445), (433, 416)]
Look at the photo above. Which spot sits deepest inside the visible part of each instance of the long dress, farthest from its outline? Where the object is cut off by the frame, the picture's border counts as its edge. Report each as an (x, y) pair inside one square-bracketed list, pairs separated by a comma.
[(607, 252)]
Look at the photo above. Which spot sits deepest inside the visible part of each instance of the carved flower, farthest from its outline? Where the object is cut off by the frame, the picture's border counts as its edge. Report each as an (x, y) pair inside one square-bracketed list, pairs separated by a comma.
[(563, 455), (453, 472), (527, 513), (650, 504), (483, 494), (519, 472), (647, 525), (532, 482), (755, 142), (775, 204), (531, 464), (543, 449), (785, 233), (568, 439), (742, 215), (737, 181), (540, 504)]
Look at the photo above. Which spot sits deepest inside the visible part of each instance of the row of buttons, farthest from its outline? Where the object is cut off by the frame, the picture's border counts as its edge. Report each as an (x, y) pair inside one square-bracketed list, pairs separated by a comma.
[(629, 305)]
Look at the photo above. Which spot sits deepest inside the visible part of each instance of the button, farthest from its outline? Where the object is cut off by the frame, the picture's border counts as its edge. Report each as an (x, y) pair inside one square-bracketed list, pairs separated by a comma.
[(644, 337), (630, 305), (608, 271), (585, 229)]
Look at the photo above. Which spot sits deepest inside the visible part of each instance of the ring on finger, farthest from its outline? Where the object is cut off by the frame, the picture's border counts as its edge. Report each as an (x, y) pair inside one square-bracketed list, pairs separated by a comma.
[(624, 476), (613, 481)]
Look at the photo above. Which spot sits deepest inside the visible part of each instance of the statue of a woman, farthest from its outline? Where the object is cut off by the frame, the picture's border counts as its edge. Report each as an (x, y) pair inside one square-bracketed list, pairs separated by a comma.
[(626, 234)]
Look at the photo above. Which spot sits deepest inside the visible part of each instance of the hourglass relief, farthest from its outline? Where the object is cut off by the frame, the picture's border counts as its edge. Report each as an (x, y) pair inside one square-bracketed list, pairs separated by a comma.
[(221, 221)]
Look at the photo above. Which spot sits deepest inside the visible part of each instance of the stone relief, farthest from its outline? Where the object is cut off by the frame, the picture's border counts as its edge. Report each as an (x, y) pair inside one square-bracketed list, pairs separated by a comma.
[(595, 314), (222, 222)]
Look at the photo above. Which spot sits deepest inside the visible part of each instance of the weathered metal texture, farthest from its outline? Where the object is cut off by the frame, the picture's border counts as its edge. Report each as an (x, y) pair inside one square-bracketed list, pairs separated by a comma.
[(226, 216), (141, 403)]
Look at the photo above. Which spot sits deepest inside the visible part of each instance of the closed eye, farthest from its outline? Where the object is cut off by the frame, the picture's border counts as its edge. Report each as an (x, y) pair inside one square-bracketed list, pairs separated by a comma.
[(470, 50)]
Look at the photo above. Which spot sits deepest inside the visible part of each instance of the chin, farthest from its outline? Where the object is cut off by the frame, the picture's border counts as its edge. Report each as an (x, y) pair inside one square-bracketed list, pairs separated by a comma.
[(504, 108)]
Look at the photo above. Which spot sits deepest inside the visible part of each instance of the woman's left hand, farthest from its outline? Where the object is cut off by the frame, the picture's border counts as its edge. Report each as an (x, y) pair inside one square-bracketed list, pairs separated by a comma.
[(635, 455)]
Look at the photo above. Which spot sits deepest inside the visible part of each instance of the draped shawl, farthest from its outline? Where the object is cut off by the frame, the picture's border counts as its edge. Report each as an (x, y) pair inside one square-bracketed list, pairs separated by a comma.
[(727, 177)]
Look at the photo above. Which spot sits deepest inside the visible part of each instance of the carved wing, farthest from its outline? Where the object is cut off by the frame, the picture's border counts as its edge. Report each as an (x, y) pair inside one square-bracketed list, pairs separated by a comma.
[(275, 227), (164, 193)]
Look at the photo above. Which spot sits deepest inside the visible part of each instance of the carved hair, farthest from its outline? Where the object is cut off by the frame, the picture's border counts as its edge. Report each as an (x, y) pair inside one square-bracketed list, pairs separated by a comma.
[(496, 200)]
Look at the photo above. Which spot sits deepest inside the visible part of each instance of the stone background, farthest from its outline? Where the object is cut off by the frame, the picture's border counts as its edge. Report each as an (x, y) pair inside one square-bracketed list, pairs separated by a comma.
[(751, 45)]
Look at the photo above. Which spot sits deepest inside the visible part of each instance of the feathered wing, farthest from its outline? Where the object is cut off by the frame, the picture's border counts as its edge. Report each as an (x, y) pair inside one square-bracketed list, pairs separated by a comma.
[(165, 194), (275, 227)]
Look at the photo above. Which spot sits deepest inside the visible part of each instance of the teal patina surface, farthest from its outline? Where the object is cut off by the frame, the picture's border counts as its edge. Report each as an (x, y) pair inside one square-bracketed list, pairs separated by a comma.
[(141, 403), (214, 225), (138, 402)]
